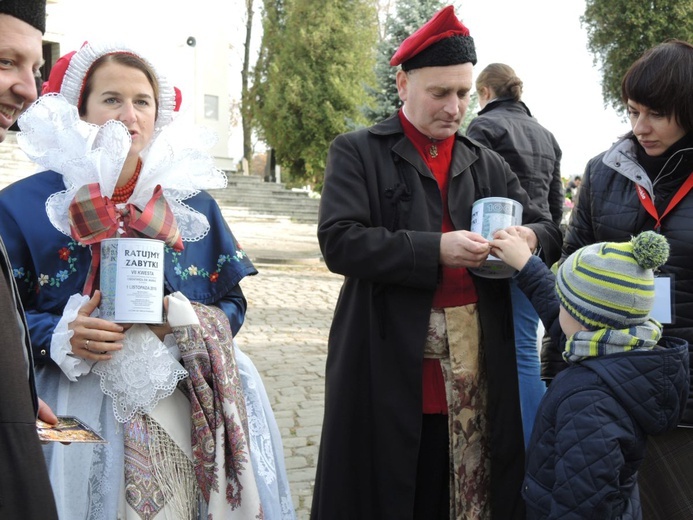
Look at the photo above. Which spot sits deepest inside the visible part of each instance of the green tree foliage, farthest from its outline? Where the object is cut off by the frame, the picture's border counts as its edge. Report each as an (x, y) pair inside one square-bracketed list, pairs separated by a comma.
[(619, 31), (309, 80), (409, 16)]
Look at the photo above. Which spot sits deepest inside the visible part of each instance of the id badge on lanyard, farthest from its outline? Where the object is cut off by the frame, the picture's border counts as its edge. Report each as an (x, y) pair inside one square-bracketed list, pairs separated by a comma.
[(663, 308)]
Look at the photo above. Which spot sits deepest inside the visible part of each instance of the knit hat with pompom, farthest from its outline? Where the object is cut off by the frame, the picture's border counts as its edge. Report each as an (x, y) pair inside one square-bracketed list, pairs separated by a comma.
[(611, 284)]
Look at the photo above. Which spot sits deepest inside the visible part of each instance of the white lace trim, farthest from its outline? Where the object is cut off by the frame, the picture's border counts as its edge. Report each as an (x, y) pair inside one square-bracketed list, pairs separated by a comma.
[(140, 375), (61, 349), (259, 432), (53, 135), (266, 447)]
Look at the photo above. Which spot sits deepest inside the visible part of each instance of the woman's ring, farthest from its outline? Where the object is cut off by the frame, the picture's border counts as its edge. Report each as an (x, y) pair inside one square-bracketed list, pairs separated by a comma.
[(86, 345)]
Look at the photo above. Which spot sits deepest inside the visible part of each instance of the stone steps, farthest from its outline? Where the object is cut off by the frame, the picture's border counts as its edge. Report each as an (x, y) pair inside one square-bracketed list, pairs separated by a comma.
[(248, 195)]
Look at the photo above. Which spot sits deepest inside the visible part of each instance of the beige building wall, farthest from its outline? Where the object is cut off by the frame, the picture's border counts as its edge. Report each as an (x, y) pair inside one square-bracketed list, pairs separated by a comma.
[(195, 43)]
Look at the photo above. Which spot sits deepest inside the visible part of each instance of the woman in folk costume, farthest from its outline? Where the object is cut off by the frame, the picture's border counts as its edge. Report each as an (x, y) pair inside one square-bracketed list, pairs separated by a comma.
[(189, 429)]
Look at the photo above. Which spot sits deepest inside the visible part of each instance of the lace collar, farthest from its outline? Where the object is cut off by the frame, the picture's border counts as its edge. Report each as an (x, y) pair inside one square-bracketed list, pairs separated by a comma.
[(53, 135)]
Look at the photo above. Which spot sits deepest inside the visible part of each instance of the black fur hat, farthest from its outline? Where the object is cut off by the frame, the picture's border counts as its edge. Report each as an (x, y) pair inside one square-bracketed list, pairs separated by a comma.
[(450, 51), (443, 40), (32, 12)]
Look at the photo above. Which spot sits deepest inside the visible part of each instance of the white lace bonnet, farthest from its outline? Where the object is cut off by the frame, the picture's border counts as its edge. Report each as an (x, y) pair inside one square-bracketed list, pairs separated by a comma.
[(69, 72)]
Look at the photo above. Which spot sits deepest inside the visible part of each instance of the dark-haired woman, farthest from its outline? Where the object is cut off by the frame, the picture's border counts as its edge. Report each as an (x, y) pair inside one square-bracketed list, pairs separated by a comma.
[(643, 182)]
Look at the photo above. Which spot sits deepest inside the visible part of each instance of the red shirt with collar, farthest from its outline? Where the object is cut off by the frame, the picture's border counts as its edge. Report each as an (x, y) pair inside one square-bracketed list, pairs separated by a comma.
[(455, 285)]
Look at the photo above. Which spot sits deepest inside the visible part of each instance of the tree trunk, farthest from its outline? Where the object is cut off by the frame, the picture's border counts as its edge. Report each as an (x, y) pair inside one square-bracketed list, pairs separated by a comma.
[(246, 117)]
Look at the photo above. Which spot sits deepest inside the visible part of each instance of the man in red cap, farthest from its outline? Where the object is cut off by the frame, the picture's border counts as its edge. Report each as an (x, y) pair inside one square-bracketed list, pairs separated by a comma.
[(25, 491), (422, 414)]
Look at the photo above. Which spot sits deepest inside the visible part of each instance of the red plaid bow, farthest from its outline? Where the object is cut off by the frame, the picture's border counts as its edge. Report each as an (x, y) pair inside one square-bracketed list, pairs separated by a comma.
[(94, 218)]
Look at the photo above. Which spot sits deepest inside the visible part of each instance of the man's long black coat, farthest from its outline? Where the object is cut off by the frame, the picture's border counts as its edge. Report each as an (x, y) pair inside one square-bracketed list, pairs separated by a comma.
[(379, 226)]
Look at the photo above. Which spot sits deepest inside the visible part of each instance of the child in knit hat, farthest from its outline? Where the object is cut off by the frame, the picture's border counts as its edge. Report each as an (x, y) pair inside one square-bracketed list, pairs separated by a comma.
[(624, 381)]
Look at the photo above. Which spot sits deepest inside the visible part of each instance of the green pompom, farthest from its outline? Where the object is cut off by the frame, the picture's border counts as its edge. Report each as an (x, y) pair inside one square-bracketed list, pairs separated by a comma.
[(650, 249)]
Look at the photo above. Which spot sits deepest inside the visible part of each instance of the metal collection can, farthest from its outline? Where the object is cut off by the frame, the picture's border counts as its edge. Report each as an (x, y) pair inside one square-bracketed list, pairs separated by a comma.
[(488, 216)]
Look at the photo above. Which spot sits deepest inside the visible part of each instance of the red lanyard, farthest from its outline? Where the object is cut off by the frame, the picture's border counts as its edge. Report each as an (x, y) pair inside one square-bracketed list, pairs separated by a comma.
[(646, 201)]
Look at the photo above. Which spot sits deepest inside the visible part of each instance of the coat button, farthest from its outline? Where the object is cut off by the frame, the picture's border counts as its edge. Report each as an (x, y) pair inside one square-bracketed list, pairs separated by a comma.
[(43, 352)]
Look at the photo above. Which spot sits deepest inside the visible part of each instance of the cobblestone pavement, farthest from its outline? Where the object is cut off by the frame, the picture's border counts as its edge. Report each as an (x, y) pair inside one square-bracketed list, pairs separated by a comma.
[(290, 306)]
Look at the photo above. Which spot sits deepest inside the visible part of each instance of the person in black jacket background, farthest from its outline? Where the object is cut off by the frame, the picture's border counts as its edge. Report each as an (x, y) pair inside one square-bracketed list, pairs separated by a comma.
[(506, 125)]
